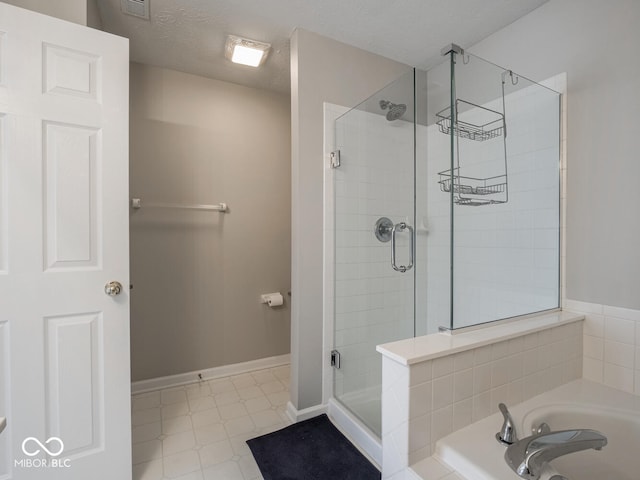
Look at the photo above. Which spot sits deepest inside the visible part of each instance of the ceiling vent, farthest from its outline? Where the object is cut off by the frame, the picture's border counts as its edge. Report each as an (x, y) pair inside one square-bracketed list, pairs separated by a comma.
[(137, 8)]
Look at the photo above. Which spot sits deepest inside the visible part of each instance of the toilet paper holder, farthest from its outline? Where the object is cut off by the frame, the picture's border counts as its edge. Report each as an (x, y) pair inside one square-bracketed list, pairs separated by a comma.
[(272, 299)]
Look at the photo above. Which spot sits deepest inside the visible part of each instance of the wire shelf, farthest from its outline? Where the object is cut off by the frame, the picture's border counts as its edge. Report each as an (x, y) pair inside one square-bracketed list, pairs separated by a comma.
[(474, 191), (490, 123)]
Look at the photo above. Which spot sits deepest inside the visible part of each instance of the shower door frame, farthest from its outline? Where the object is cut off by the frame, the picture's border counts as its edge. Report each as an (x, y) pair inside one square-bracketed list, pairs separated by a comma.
[(348, 423), (340, 412)]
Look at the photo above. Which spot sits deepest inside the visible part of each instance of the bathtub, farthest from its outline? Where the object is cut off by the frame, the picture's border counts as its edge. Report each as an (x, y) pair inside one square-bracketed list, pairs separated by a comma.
[(474, 453)]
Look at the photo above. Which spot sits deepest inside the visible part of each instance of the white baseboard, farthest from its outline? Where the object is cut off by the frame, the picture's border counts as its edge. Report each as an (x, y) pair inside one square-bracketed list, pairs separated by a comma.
[(151, 384), (296, 415)]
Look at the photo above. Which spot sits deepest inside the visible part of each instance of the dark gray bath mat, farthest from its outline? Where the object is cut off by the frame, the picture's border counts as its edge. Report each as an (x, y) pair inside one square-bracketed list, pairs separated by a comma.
[(310, 450)]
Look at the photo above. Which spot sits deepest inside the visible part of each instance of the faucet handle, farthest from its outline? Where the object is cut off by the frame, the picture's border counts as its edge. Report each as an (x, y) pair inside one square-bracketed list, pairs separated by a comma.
[(542, 428), (529, 456), (507, 434)]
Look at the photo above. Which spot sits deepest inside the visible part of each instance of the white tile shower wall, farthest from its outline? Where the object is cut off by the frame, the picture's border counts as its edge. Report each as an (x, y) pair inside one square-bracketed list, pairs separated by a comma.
[(395, 425), (611, 345), (506, 255), (453, 391), (373, 303)]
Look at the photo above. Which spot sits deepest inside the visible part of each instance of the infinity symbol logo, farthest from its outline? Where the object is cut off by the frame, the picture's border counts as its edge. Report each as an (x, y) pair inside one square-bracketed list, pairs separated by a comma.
[(42, 446)]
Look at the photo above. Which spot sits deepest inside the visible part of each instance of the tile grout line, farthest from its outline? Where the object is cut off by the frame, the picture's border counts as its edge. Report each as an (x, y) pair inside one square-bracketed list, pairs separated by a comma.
[(266, 390)]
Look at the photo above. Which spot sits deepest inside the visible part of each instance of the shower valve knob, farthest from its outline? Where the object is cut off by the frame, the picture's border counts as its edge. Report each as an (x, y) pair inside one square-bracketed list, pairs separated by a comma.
[(383, 229)]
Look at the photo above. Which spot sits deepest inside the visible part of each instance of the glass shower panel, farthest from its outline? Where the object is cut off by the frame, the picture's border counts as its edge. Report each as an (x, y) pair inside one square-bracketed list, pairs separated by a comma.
[(433, 208), (374, 242), (506, 197)]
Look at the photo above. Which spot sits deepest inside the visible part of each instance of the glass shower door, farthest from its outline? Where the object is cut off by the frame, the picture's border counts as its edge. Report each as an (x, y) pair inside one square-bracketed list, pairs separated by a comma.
[(374, 242)]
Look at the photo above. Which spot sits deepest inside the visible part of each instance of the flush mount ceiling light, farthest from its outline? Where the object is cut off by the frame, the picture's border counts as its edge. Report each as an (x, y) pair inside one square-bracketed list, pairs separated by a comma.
[(245, 51)]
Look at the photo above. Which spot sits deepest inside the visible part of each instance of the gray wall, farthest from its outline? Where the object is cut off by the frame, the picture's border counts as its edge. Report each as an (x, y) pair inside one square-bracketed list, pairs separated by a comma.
[(93, 15), (198, 276), (71, 10), (322, 70), (595, 42)]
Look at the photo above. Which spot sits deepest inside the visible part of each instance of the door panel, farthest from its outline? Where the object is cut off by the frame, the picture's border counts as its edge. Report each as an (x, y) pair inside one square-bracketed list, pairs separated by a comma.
[(5, 343), (75, 362), (71, 72), (63, 236), (70, 182), (3, 186)]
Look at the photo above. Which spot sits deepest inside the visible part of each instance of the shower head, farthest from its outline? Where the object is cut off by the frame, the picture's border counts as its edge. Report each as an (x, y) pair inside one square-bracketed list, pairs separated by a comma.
[(395, 110)]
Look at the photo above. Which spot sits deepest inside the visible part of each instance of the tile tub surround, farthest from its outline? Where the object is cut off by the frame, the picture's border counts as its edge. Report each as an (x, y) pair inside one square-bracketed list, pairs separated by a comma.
[(473, 453), (611, 345), (439, 383)]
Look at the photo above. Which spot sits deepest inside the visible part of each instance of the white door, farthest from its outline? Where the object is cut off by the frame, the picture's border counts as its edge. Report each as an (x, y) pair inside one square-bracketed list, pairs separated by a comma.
[(64, 343)]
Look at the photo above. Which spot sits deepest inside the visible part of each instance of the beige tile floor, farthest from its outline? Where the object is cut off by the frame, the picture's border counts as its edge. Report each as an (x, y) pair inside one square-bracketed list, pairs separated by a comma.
[(198, 431)]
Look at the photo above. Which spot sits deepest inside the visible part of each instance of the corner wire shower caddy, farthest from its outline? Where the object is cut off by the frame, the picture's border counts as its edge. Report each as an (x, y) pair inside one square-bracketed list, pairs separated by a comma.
[(488, 124)]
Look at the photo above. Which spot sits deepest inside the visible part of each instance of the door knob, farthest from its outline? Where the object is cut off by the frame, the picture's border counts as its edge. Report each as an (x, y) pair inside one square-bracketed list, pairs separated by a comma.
[(113, 288)]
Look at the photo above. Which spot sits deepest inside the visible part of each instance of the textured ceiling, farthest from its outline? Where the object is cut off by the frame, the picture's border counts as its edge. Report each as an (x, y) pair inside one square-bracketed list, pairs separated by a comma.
[(189, 35)]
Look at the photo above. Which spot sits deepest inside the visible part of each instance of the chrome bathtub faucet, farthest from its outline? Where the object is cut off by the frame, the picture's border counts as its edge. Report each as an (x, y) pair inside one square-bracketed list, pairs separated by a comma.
[(528, 457), (507, 434)]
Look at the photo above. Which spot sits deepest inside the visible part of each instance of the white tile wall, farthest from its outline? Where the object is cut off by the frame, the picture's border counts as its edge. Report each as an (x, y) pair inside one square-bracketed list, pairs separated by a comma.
[(611, 345), (453, 391), (395, 421), (467, 386), (604, 348), (373, 303), (506, 256)]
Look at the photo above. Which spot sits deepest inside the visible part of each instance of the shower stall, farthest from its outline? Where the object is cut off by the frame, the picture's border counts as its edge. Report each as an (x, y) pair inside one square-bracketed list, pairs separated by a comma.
[(446, 213)]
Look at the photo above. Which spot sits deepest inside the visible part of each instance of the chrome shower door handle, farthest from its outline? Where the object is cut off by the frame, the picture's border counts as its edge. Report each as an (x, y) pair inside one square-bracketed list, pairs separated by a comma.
[(402, 226)]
